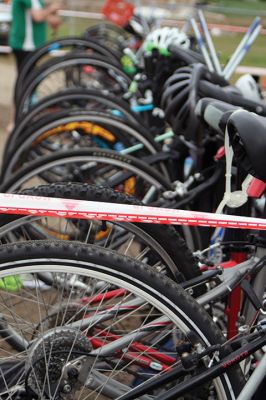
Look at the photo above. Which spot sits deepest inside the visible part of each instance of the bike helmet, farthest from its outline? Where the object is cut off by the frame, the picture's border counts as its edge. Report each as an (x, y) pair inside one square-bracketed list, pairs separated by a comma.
[(162, 38), (248, 87), (181, 93), (180, 98), (160, 63)]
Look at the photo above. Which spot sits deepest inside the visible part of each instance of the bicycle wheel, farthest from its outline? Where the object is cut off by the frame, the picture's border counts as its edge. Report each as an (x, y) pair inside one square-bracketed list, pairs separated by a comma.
[(101, 326), (73, 70), (76, 129), (112, 36), (82, 99), (102, 167), (157, 245), (62, 46), (73, 99)]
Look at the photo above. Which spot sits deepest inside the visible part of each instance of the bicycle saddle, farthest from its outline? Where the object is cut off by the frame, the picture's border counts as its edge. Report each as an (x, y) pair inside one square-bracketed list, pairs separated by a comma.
[(247, 133)]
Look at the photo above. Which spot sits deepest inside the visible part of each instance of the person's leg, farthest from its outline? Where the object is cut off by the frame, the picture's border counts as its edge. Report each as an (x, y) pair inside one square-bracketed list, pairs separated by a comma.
[(20, 57)]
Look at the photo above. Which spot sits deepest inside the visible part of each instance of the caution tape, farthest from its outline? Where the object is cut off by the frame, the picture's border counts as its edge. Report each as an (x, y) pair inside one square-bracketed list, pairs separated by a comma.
[(91, 210)]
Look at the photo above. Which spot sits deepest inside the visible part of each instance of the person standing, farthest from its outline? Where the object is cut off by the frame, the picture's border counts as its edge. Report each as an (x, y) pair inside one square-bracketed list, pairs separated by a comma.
[(30, 19)]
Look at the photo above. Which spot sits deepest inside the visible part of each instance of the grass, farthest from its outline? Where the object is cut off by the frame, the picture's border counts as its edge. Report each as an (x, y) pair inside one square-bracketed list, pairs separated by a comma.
[(239, 12), (250, 5), (227, 43), (73, 27)]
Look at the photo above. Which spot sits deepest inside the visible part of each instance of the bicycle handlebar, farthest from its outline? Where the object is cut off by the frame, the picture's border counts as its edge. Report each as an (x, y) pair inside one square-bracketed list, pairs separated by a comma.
[(230, 95), (215, 113), (186, 55)]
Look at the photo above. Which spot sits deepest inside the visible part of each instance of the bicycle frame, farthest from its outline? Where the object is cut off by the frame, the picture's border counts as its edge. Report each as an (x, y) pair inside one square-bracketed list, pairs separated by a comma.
[(212, 371), (231, 279)]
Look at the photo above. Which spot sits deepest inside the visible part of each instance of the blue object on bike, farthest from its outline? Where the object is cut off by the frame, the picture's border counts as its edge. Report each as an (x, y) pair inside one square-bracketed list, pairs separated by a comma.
[(142, 108), (117, 113), (118, 146), (54, 46)]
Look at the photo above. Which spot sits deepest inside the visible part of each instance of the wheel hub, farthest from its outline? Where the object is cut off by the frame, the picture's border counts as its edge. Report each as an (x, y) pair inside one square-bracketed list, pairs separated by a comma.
[(48, 356)]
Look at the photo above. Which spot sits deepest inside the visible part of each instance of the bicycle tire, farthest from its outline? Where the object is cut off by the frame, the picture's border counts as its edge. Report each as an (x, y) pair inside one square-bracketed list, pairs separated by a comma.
[(77, 97), (115, 75), (112, 132), (148, 183), (111, 35), (108, 157), (160, 295), (169, 245), (42, 51)]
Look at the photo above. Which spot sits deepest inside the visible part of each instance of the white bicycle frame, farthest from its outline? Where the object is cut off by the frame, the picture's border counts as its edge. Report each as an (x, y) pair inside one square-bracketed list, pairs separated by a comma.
[(211, 59)]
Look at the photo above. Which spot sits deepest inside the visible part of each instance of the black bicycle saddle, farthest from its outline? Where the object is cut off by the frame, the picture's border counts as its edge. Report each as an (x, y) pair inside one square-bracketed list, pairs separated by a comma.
[(247, 133)]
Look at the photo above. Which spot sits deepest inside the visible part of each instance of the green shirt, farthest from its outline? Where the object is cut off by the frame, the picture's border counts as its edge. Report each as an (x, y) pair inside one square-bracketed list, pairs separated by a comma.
[(25, 33)]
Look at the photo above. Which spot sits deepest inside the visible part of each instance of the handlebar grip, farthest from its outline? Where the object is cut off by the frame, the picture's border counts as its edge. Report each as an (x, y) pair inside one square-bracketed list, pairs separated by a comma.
[(206, 111), (215, 113)]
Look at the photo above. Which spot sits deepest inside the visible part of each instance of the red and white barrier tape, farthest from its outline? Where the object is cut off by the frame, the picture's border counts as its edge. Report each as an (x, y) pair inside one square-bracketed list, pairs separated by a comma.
[(64, 208)]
